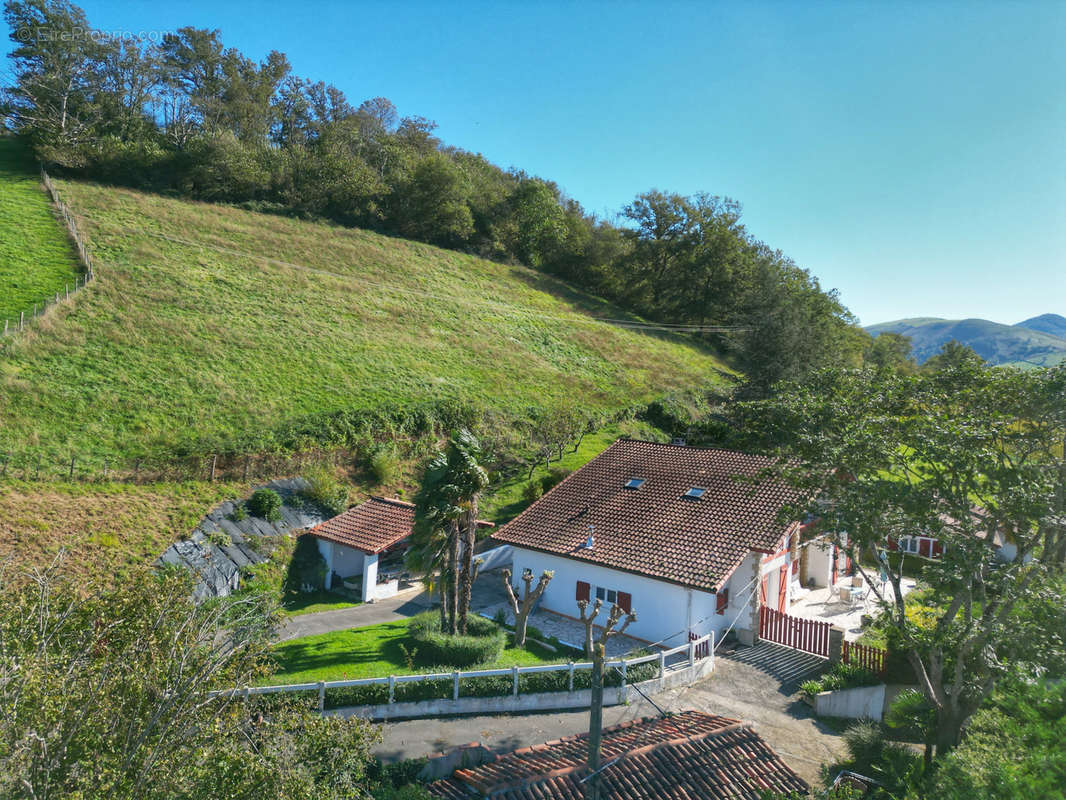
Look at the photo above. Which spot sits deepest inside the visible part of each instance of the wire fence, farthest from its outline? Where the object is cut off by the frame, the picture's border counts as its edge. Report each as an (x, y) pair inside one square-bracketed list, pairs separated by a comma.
[(19, 323), (212, 467)]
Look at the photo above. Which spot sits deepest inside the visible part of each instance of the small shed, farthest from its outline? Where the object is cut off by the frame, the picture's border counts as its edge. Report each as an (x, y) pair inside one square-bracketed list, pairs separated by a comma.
[(353, 543)]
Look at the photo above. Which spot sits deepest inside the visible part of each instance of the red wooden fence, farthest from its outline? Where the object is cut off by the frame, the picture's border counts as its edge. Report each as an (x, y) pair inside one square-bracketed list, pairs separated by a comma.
[(703, 649), (808, 635), (872, 658)]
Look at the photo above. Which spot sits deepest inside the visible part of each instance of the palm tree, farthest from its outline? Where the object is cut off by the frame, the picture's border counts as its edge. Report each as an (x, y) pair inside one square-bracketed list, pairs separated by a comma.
[(446, 507)]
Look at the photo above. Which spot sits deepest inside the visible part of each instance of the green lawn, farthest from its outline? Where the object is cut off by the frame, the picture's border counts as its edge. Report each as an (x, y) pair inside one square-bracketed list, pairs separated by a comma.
[(296, 604), (371, 652), (36, 258), (504, 500), (232, 347)]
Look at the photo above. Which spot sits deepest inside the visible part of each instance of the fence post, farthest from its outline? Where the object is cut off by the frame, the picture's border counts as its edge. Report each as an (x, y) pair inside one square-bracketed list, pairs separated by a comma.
[(321, 696), (514, 673), (570, 687), (662, 669), (692, 652), (710, 642), (392, 689), (836, 644), (455, 685), (136, 469), (37, 472), (72, 467), (246, 460), (214, 461), (625, 689), (3, 471), (68, 289), (22, 320), (247, 693)]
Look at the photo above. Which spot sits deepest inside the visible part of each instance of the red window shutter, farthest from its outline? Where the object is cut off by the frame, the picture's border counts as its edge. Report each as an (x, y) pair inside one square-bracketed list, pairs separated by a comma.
[(723, 600), (583, 590), (625, 601), (938, 549), (892, 544), (923, 547)]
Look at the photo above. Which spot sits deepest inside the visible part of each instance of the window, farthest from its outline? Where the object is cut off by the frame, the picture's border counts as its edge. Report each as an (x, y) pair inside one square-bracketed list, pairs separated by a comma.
[(634, 483), (909, 544), (615, 597), (606, 595), (695, 493)]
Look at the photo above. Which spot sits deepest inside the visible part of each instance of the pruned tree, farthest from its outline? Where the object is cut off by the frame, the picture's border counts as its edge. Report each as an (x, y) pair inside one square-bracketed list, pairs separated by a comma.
[(530, 596), (614, 616)]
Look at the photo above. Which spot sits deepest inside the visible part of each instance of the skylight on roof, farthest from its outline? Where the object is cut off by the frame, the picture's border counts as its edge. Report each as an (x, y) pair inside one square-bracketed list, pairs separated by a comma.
[(695, 493), (634, 483)]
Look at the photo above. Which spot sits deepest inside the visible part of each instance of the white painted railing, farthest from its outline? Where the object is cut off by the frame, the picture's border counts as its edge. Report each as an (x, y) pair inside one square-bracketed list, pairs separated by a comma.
[(622, 665)]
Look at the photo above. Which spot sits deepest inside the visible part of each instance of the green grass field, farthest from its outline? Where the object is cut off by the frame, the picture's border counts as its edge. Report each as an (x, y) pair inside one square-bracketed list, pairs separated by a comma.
[(36, 259), (192, 336), (371, 652)]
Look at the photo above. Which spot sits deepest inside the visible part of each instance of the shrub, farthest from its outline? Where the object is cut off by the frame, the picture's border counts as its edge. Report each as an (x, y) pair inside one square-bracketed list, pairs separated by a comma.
[(483, 642), (865, 742), (326, 490), (239, 512), (265, 503), (841, 676), (554, 477), (531, 491), (383, 464), (307, 567)]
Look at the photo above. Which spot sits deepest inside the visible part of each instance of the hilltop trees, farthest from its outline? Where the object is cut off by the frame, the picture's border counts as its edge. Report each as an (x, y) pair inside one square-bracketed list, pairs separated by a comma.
[(191, 116)]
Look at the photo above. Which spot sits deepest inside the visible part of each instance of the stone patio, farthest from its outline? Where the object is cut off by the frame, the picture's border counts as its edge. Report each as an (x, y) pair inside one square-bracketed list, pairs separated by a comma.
[(827, 606), (489, 596)]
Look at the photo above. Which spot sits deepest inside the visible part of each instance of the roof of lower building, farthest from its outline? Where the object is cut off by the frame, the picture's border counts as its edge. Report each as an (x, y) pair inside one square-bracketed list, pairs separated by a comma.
[(372, 526), (687, 755), (664, 527)]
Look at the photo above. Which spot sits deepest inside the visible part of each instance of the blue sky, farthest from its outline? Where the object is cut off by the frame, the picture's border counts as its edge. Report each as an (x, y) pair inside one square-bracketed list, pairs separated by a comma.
[(911, 155)]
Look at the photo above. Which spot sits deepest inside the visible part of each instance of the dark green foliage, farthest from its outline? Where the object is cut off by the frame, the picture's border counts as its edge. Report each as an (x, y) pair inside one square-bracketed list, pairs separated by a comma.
[(841, 676), (326, 490), (265, 503), (533, 490), (483, 642), (554, 477), (307, 567), (382, 464)]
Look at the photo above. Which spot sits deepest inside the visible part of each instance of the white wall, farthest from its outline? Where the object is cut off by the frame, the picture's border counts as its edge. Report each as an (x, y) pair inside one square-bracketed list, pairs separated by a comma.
[(819, 563), (664, 610)]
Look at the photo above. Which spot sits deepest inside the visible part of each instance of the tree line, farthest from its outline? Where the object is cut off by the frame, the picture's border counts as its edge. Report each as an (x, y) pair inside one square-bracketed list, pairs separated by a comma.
[(190, 116)]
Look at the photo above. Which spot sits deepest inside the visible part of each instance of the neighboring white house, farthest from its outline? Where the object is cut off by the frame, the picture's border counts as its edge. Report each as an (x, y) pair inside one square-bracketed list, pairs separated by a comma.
[(688, 538), (353, 543)]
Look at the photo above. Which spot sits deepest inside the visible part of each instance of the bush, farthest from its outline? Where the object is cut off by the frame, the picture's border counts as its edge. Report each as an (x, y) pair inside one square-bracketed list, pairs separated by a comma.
[(841, 676), (383, 465), (307, 567), (554, 477), (326, 490), (483, 642), (531, 491), (865, 742), (239, 512), (265, 503)]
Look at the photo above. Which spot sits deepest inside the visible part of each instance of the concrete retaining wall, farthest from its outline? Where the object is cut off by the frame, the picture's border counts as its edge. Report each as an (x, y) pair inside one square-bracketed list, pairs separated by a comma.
[(544, 701), (865, 702)]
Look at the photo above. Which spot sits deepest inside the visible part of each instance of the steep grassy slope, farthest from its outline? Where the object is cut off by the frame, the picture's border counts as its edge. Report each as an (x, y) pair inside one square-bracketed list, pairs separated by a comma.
[(997, 344), (209, 326), (36, 259)]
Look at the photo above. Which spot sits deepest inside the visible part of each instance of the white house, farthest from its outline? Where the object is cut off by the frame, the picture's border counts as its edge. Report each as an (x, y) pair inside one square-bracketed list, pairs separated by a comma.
[(688, 538), (352, 543)]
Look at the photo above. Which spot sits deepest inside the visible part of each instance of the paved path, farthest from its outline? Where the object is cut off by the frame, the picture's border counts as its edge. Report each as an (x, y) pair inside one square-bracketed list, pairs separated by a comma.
[(742, 687)]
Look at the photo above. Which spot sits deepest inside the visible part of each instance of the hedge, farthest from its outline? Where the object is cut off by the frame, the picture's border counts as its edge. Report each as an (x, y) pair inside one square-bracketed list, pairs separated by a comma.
[(482, 644)]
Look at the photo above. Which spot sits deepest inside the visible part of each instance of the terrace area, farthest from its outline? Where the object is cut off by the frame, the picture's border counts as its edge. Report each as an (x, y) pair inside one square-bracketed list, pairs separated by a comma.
[(844, 605)]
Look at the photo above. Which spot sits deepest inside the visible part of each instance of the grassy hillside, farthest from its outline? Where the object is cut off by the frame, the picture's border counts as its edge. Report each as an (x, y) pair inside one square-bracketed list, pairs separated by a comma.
[(1054, 324), (210, 326), (1009, 345), (36, 259)]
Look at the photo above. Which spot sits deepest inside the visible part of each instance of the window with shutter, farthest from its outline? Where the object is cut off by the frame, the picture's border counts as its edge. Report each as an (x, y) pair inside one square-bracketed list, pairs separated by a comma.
[(625, 601), (583, 590), (723, 600)]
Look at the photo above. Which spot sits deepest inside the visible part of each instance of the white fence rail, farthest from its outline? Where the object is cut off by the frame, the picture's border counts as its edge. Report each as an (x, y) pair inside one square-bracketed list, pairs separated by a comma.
[(663, 658)]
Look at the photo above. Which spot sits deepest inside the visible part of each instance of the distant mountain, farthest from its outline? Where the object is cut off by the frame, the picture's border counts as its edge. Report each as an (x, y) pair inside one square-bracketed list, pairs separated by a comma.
[(1055, 324), (1032, 343)]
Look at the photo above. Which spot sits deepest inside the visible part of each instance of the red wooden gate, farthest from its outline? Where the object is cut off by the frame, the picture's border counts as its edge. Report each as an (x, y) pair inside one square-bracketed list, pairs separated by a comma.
[(808, 635)]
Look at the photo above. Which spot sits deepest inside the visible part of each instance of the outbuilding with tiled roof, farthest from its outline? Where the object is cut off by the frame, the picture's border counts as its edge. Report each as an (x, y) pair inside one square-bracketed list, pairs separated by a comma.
[(686, 755), (692, 539)]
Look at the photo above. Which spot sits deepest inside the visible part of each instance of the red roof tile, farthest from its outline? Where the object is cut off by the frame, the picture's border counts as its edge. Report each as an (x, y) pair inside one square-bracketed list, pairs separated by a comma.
[(654, 530), (688, 755), (372, 526)]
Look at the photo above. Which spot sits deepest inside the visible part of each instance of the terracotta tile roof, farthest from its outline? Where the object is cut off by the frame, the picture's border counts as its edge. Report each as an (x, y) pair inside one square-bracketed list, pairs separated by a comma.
[(372, 526), (653, 530), (688, 755)]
